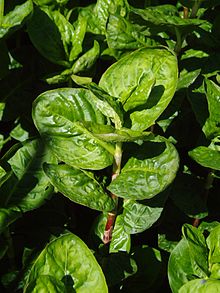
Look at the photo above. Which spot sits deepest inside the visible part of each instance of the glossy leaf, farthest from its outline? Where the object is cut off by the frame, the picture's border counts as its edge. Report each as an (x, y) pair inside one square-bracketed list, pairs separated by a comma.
[(15, 18), (79, 186), (198, 251), (213, 242), (78, 37), (212, 125), (107, 105), (27, 187), (59, 115), (144, 177), (180, 267), (166, 16), (187, 78), (139, 216), (206, 157), (46, 283), (122, 35), (104, 8), (47, 37), (201, 286), (68, 257), (86, 61), (144, 82), (121, 240)]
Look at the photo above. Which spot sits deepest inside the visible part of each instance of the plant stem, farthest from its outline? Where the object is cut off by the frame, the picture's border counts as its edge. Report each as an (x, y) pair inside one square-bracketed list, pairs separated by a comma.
[(1, 11), (208, 186), (179, 41), (112, 215), (195, 8)]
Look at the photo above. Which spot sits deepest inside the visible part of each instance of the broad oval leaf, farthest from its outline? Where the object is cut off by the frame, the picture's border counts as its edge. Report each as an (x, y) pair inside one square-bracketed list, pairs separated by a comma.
[(69, 257), (59, 115), (139, 216), (145, 177), (206, 157), (145, 82), (79, 186), (213, 242)]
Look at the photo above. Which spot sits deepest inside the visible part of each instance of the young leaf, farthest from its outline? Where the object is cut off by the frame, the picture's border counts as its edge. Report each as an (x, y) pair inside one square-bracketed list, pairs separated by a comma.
[(198, 251), (145, 177), (59, 115), (107, 105), (67, 257), (15, 18), (86, 61), (79, 186), (206, 157), (145, 82)]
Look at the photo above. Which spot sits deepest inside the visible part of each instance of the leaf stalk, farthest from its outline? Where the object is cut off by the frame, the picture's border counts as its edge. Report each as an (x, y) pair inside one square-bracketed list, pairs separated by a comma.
[(113, 214)]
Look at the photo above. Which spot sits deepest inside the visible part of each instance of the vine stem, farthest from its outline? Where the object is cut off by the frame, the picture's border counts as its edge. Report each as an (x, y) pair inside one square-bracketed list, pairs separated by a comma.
[(112, 215), (1, 11), (208, 186)]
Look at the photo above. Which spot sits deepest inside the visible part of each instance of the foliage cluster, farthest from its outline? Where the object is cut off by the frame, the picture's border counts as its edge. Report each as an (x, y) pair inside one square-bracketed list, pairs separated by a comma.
[(110, 146)]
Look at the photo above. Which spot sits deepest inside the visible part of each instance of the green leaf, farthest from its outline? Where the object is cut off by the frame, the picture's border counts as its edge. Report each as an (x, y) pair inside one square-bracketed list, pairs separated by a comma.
[(104, 8), (166, 17), (79, 186), (77, 38), (186, 78), (86, 61), (49, 39), (143, 177), (107, 105), (212, 125), (27, 187), (138, 217), (122, 35), (19, 133), (44, 284), (206, 157), (213, 242), (180, 267), (68, 257), (121, 240), (201, 286), (59, 115), (15, 18), (138, 81), (198, 251)]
